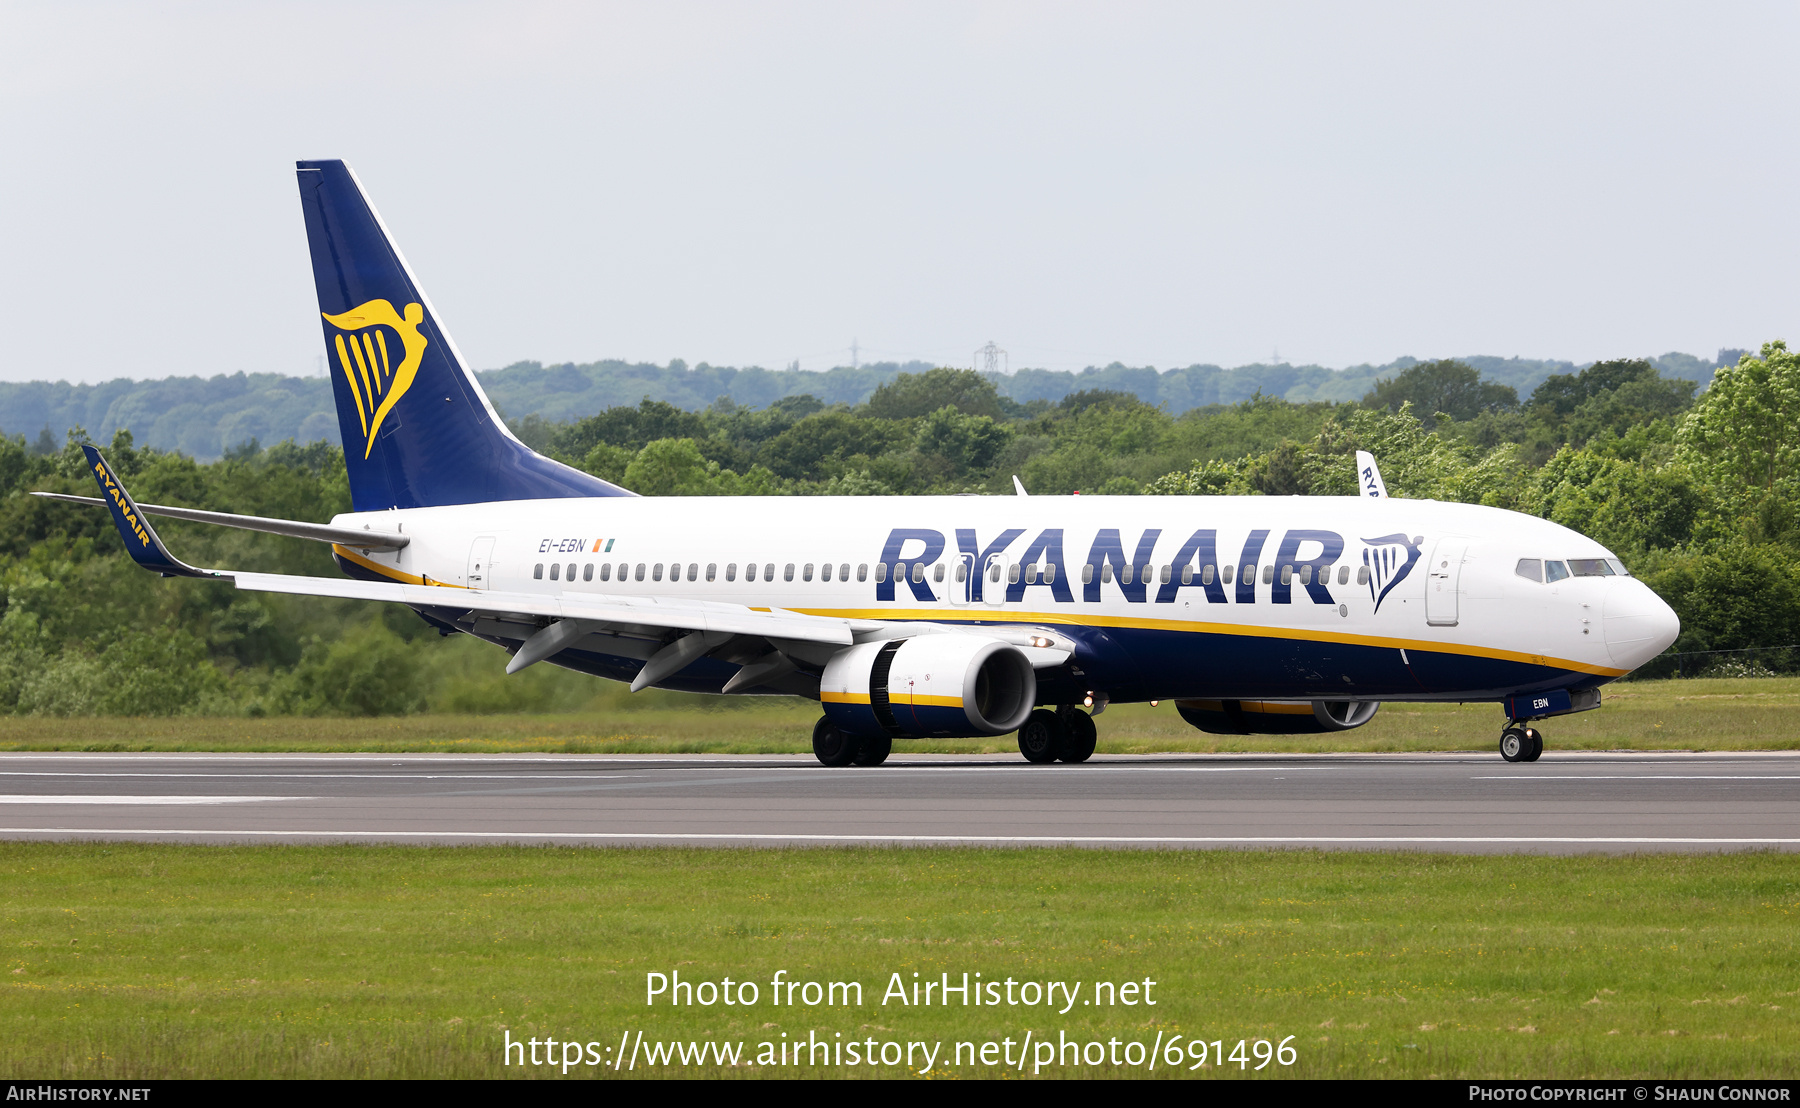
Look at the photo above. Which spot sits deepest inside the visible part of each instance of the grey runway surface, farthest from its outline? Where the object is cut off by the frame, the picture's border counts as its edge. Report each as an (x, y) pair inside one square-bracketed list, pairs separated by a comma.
[(1565, 803)]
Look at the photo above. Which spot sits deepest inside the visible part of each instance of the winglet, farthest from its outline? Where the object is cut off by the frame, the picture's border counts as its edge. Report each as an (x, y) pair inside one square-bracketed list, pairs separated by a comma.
[(1019, 485), (1368, 475), (140, 538)]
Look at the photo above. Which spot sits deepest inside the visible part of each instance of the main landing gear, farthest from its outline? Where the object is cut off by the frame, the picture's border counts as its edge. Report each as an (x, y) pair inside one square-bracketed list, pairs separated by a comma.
[(1519, 743), (835, 748), (1066, 734)]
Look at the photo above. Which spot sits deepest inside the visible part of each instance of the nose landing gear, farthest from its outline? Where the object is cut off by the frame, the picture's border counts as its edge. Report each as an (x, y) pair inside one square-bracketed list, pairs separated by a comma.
[(1521, 744)]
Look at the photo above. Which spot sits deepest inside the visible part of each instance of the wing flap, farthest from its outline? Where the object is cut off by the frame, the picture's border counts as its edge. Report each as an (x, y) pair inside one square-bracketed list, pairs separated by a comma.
[(647, 613)]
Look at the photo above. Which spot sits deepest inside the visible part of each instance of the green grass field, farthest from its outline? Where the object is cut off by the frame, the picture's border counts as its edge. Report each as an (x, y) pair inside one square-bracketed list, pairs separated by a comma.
[(173, 961), (1702, 714)]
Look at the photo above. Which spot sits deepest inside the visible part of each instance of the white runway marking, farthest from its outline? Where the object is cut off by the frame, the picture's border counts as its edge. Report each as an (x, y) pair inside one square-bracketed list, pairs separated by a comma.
[(346, 776), (129, 800), (803, 768), (997, 840), (1646, 777)]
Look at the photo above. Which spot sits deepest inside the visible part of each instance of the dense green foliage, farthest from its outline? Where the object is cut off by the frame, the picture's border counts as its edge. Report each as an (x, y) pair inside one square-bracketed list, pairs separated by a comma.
[(1696, 495), (206, 417)]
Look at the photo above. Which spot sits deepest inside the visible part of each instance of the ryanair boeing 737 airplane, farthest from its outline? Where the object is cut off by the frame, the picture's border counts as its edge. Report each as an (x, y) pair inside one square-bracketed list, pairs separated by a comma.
[(907, 617)]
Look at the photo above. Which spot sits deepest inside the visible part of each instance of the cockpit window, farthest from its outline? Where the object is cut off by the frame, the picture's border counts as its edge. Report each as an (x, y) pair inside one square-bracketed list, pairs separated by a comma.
[(1555, 571), (1532, 569), (1590, 567), (1618, 567)]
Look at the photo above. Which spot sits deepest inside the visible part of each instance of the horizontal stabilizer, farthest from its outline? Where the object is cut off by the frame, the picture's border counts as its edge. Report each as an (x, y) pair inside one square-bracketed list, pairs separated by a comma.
[(293, 528)]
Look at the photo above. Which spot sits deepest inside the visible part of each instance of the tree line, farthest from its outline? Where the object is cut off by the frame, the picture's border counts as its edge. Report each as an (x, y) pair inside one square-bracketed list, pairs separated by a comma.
[(205, 417), (1695, 492)]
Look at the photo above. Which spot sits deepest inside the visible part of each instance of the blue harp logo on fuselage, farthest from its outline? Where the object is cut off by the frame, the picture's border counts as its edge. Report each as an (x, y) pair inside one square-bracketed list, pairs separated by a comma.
[(1390, 559), (378, 374)]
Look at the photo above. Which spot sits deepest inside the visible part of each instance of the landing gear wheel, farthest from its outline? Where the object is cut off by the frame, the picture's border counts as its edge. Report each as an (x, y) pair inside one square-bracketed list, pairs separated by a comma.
[(1043, 737), (1537, 744), (1079, 746), (831, 746), (872, 750), (1515, 744)]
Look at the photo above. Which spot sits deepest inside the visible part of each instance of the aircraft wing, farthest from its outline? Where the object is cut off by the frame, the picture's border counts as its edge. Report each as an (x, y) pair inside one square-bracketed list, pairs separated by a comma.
[(612, 611), (667, 632), (293, 528)]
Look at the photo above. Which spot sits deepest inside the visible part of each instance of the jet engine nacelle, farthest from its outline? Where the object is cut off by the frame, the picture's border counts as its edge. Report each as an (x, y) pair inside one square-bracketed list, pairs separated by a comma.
[(950, 684), (1276, 717)]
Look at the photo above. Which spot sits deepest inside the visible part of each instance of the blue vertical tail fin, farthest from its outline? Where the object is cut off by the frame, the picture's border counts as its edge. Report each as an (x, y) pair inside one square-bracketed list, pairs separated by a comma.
[(418, 431)]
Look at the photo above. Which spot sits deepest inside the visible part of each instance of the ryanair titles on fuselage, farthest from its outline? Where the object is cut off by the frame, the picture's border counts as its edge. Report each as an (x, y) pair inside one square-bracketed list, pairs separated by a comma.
[(1302, 556)]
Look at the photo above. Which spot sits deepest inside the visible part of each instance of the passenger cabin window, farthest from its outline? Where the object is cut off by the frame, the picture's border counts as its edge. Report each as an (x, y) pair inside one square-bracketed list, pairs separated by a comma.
[(880, 571), (937, 572), (805, 574), (844, 572), (537, 573), (1087, 574), (712, 571), (825, 571), (918, 572), (1362, 575), (1555, 571), (1031, 573), (788, 574), (862, 572), (555, 571), (768, 571), (1225, 573), (606, 571), (1532, 569), (1187, 575), (1343, 575), (1287, 575), (1306, 574), (1012, 574), (1269, 574), (587, 572), (731, 571), (693, 571), (1206, 574)]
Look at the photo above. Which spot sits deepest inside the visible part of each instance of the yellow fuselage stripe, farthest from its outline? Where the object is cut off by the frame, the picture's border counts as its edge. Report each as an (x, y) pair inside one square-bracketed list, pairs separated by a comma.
[(389, 572), (1197, 627), (1125, 622)]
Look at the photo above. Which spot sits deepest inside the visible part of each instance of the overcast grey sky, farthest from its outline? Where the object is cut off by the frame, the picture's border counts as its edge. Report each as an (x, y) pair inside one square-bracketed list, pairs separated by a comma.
[(748, 183)]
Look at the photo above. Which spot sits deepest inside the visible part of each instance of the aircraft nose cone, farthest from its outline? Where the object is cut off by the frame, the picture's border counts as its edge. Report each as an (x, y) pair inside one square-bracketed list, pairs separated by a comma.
[(1637, 624)]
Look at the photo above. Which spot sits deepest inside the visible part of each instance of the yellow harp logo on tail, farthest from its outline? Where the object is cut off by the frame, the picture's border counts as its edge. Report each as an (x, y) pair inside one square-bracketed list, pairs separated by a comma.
[(377, 380)]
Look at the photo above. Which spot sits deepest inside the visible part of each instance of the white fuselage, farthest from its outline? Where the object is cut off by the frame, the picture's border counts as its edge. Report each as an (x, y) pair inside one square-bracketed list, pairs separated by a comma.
[(1347, 597)]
